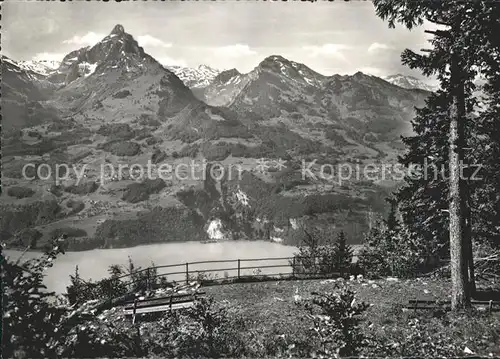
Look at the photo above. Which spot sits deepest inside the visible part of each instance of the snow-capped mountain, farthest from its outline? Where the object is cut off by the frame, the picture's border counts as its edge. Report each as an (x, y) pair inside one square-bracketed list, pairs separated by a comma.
[(116, 80), (22, 89), (42, 67), (198, 77), (114, 71), (409, 82)]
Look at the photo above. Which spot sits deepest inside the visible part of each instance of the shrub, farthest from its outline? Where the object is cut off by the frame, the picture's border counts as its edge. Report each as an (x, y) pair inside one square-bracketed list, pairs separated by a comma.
[(20, 192), (33, 324), (204, 330), (80, 291), (336, 323)]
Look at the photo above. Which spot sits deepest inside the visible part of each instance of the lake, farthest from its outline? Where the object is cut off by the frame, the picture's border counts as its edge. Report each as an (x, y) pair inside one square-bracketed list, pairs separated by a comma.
[(93, 264)]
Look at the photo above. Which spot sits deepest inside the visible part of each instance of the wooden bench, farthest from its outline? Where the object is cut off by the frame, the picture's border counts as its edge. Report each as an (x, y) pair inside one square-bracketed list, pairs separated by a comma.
[(161, 304), (446, 304)]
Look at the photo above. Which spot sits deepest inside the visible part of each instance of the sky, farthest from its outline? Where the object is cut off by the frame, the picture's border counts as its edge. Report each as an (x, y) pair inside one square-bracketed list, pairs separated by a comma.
[(330, 37)]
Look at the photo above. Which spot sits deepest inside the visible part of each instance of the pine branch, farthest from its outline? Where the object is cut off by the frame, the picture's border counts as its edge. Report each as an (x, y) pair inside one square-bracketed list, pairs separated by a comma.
[(439, 33)]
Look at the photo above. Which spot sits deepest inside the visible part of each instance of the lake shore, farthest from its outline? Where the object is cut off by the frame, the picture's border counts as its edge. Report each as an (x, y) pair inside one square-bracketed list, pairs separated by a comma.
[(93, 264)]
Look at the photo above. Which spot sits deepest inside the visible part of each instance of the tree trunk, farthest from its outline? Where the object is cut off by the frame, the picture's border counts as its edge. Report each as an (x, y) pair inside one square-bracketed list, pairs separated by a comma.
[(458, 245), (468, 239)]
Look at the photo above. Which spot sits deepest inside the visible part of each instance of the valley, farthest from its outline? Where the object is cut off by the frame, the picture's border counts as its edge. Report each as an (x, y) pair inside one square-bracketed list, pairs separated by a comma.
[(112, 105)]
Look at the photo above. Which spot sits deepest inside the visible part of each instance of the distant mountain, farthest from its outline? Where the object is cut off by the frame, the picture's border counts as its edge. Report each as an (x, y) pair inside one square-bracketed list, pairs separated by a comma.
[(198, 77), (41, 67), (409, 82), (117, 81), (114, 103), (224, 88), (358, 110), (22, 91)]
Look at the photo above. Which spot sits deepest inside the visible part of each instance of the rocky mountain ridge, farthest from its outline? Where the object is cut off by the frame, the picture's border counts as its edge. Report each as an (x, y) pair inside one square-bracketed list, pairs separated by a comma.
[(112, 104)]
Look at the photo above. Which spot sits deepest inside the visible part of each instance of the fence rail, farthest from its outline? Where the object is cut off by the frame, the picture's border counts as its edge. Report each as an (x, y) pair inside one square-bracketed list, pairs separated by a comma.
[(214, 271)]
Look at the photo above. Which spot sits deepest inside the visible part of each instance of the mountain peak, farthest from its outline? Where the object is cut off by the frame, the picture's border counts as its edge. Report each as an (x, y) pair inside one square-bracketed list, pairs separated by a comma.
[(274, 59), (409, 82), (118, 30), (275, 63)]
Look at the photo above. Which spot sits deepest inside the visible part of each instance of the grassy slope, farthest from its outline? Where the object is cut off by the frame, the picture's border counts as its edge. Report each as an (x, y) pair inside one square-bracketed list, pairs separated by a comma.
[(268, 308)]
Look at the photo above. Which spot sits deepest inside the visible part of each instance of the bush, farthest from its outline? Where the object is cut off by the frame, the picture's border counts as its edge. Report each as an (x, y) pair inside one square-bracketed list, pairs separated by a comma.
[(336, 323), (205, 330), (33, 324), (20, 192)]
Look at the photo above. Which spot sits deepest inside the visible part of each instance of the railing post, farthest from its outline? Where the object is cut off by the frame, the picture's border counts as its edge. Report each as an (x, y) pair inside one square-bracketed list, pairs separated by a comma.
[(239, 266), (293, 266), (135, 310), (187, 273)]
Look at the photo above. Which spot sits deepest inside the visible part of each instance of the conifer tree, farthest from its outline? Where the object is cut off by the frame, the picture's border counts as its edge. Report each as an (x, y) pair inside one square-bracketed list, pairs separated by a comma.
[(342, 253), (453, 58)]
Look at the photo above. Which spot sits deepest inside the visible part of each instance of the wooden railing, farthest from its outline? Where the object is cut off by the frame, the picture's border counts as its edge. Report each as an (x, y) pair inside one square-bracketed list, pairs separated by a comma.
[(217, 271)]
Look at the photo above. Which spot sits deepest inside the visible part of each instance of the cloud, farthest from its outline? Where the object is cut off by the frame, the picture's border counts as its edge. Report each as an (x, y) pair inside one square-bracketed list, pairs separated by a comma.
[(48, 56), (89, 39), (237, 50), (329, 50), (169, 61), (376, 46), (151, 41)]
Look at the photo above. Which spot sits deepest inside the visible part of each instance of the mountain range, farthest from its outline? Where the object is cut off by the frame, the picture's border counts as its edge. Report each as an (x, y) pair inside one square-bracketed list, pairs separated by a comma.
[(113, 103)]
